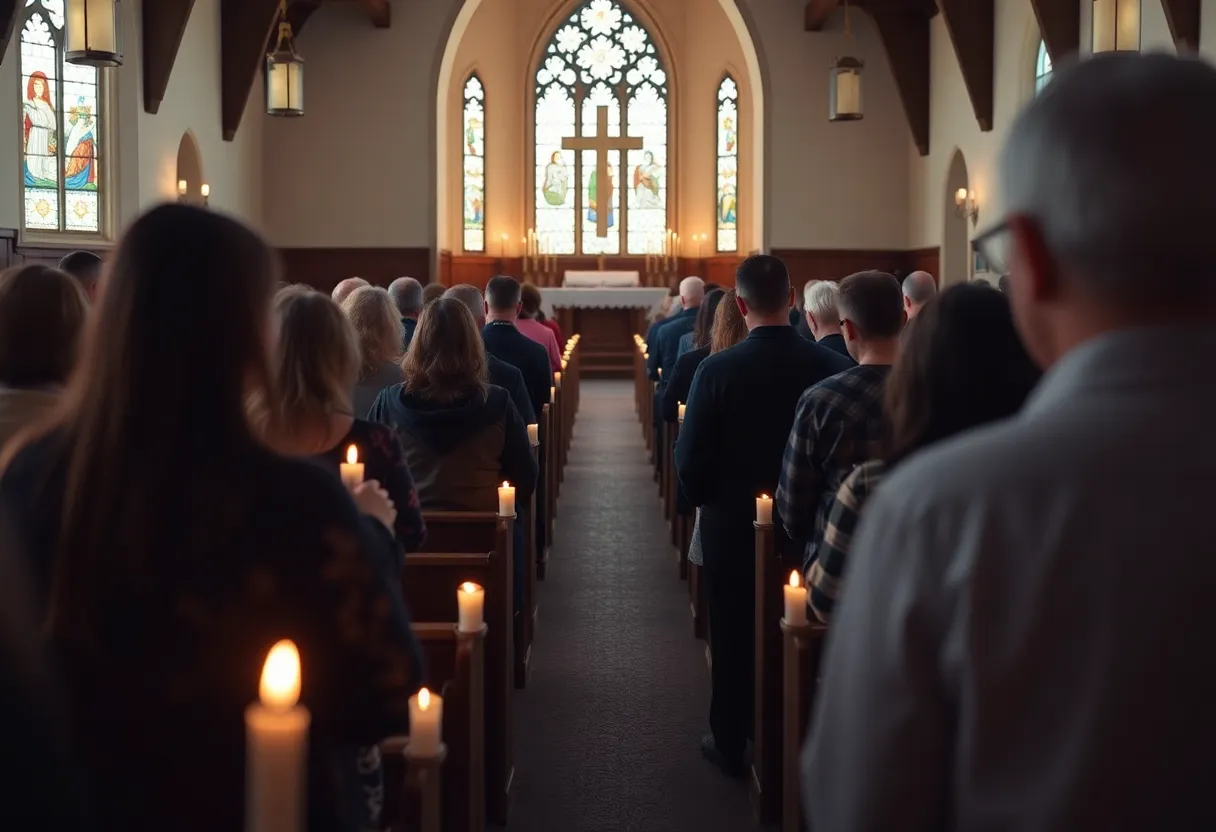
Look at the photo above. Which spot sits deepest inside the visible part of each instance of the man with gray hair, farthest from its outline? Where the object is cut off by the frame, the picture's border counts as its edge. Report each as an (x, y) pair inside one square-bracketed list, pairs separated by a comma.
[(919, 289), (667, 338), (406, 294), (347, 287), (1023, 642), (822, 316)]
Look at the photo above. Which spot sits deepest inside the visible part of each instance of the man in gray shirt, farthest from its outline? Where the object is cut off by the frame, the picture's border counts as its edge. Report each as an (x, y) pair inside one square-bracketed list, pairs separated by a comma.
[(1026, 640)]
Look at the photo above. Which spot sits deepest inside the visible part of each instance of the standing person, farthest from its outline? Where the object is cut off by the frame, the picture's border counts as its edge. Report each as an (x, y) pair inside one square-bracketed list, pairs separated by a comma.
[(505, 342), (378, 328), (406, 294), (432, 291), (998, 660), (739, 413), (822, 318), (173, 558), (86, 267), (676, 392), (529, 324), (346, 287), (919, 288)]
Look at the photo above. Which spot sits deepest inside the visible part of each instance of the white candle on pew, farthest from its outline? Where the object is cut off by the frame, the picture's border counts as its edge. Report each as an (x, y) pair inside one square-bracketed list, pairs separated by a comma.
[(557, 379), (506, 500), (682, 406), (565, 362), (351, 470), (795, 601), (276, 747), (426, 721), (552, 393), (470, 601), (534, 434), (764, 510)]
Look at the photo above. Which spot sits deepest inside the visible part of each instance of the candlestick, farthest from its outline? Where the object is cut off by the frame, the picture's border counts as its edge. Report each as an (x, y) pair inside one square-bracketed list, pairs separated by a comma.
[(426, 721), (351, 471), (506, 500), (764, 510), (502, 246), (681, 408), (276, 747), (795, 600), (470, 600), (534, 434)]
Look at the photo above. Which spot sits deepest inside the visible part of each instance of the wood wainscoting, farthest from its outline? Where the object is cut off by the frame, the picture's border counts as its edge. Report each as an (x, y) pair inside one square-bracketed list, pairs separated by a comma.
[(926, 260), (324, 268), (806, 264)]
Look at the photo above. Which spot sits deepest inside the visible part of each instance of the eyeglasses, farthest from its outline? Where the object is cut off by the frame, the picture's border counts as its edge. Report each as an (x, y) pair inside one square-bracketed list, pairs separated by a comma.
[(993, 245)]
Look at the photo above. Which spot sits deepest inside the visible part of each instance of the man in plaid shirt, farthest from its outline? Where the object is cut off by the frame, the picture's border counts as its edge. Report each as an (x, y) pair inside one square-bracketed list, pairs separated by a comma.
[(839, 423)]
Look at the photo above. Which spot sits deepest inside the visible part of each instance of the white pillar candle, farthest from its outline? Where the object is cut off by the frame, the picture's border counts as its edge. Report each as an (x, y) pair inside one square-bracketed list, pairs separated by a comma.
[(795, 600), (506, 500), (351, 470), (764, 510), (470, 601), (534, 434), (557, 379), (426, 721), (682, 406), (565, 362), (552, 393), (276, 747)]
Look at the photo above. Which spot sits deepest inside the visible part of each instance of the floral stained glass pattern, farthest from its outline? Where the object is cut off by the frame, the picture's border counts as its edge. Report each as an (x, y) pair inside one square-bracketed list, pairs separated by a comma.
[(1042, 68), (474, 138), (728, 165), (600, 55), (61, 128)]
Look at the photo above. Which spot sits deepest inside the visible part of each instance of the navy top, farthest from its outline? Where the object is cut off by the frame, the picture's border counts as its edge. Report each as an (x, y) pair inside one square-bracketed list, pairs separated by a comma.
[(408, 325), (508, 344)]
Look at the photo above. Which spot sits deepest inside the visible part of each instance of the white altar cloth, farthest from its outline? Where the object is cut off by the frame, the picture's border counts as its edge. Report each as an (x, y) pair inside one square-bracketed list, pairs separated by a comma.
[(642, 297), (586, 280)]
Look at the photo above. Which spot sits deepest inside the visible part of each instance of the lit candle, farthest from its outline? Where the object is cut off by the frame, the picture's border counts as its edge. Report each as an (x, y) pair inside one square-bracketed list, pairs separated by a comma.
[(351, 471), (565, 362), (552, 393), (205, 190), (471, 599), (182, 187), (426, 719), (557, 379), (682, 406), (534, 434), (764, 510), (506, 500), (795, 600), (276, 747)]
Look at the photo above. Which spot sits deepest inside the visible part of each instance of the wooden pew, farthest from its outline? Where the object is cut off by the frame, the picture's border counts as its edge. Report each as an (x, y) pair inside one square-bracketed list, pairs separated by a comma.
[(477, 547), (696, 602), (546, 473), (525, 621), (802, 651)]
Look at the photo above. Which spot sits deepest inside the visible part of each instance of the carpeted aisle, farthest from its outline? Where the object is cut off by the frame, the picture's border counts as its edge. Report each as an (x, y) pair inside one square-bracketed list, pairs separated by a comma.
[(607, 734)]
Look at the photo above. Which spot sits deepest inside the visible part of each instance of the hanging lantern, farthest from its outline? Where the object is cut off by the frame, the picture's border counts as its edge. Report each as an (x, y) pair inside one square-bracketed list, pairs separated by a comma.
[(93, 32), (284, 73), (844, 94), (1116, 26)]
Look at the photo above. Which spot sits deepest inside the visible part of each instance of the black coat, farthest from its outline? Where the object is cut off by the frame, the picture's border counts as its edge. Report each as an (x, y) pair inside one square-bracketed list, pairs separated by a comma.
[(680, 385), (506, 343)]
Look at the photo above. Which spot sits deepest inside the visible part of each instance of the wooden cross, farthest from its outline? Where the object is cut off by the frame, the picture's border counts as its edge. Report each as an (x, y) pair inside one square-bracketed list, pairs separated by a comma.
[(601, 143)]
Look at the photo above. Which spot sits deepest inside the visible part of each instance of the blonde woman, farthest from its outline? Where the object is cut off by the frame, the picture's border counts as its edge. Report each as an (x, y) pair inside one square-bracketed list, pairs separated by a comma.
[(378, 326)]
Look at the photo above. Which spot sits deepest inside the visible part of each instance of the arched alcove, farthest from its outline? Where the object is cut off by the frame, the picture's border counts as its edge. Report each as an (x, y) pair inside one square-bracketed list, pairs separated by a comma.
[(190, 169), (956, 241)]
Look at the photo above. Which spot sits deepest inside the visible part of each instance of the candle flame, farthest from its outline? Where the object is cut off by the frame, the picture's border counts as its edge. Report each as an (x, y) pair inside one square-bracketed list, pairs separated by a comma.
[(506, 484), (794, 580), (280, 686), (469, 587), (765, 497), (424, 699), (352, 455)]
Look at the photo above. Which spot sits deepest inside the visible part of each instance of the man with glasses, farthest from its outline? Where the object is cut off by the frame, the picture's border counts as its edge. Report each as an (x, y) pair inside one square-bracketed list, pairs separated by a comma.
[(1025, 641)]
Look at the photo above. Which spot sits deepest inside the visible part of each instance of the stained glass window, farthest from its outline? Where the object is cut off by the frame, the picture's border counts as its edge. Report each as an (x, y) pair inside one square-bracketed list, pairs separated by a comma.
[(601, 56), (61, 131), (728, 164), (1042, 68), (474, 164)]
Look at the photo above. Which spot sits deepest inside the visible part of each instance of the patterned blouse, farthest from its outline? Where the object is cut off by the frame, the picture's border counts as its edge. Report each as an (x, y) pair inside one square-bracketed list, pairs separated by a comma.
[(825, 576)]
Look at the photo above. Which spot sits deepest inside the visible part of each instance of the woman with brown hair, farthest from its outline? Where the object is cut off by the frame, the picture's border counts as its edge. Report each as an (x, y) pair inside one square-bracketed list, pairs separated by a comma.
[(42, 321), (380, 334), (175, 549)]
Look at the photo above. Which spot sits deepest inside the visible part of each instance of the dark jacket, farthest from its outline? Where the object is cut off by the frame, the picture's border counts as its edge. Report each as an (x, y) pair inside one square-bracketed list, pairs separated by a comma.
[(459, 452), (668, 343), (368, 387), (835, 342), (798, 322), (408, 325), (506, 343), (678, 388), (738, 419), (510, 379)]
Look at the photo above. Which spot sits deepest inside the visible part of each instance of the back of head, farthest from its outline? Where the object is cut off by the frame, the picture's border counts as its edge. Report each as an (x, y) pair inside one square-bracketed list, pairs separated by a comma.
[(961, 365), (764, 284), (345, 287), (85, 266), (377, 324), (42, 321), (873, 303), (918, 287), (503, 294), (432, 291), (703, 329), (530, 297), (692, 290), (406, 294), (470, 296), (729, 326), (820, 298), (446, 360)]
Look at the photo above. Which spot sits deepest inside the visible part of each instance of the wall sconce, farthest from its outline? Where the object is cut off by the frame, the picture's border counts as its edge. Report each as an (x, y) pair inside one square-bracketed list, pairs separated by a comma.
[(1116, 26), (182, 188), (94, 38), (966, 204), (205, 190)]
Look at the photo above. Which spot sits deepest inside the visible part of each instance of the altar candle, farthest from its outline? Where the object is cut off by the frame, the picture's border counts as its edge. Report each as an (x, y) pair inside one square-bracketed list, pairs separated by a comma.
[(471, 599), (426, 719), (682, 406), (276, 747), (764, 510), (795, 600), (534, 434), (351, 471), (506, 500)]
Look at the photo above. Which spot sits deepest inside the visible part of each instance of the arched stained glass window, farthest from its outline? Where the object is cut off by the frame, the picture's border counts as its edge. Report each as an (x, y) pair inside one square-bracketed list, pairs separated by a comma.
[(61, 116), (601, 56), (728, 164), (474, 164), (1042, 67)]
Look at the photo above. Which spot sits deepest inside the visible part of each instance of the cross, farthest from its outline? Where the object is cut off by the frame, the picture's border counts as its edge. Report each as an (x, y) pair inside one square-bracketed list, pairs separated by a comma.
[(601, 143)]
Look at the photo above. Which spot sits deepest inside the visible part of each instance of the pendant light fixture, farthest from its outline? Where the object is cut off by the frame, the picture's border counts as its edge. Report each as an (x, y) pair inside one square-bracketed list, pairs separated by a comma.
[(93, 32), (284, 72), (844, 90), (1116, 26)]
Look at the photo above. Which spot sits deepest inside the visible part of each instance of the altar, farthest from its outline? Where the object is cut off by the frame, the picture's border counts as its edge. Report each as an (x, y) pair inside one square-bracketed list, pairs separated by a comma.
[(606, 309)]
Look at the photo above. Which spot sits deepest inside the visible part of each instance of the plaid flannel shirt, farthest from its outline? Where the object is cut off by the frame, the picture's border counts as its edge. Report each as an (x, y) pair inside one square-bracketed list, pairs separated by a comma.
[(826, 575), (839, 425)]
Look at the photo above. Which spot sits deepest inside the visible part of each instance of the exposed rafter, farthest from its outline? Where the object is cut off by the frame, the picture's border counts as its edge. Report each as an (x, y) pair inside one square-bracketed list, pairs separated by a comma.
[(1183, 17), (818, 12), (164, 24), (905, 38), (8, 21), (380, 12), (972, 28), (1060, 26), (245, 27)]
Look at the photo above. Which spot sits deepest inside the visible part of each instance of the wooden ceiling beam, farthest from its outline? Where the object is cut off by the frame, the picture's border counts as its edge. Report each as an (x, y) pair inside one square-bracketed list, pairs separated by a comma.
[(245, 27), (1183, 18), (164, 25), (817, 14), (1059, 26), (298, 13), (905, 38), (379, 11), (972, 28), (8, 22)]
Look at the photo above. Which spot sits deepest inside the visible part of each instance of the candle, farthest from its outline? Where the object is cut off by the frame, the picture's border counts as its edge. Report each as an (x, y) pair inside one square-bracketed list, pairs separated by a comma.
[(682, 406), (276, 747), (506, 500), (764, 510), (565, 362), (471, 599), (557, 379), (795, 600), (534, 434), (552, 393), (426, 719), (205, 190), (351, 471)]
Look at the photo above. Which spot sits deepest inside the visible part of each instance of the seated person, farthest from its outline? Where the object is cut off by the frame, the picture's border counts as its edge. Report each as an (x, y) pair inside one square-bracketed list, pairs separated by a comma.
[(380, 331)]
